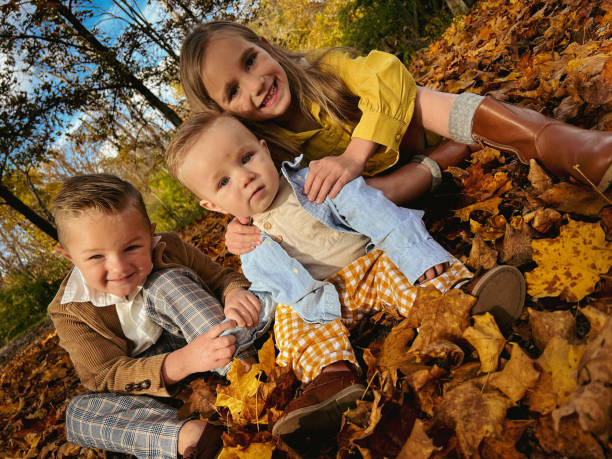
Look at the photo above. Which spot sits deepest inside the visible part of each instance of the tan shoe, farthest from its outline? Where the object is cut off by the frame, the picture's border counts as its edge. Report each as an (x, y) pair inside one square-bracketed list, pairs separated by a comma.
[(555, 145), (209, 445), (500, 291), (317, 411)]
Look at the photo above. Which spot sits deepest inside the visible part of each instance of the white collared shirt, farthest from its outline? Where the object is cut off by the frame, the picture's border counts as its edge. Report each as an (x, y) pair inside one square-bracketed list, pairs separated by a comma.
[(136, 325)]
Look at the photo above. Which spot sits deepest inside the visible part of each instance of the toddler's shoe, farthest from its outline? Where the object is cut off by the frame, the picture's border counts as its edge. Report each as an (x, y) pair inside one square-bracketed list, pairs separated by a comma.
[(209, 445), (316, 412), (500, 291)]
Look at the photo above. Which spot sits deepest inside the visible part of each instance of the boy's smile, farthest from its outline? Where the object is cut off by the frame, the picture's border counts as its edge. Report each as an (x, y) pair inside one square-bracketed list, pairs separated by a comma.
[(112, 251), (230, 170)]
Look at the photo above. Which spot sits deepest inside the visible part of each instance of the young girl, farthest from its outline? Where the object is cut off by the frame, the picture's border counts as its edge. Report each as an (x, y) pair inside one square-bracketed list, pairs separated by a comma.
[(360, 115)]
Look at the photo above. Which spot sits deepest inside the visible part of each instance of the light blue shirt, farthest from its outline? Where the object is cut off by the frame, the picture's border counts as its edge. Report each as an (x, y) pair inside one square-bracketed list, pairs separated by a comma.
[(358, 208)]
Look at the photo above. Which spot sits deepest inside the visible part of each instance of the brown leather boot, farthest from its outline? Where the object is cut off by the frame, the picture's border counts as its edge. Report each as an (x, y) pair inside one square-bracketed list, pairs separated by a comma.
[(317, 412), (555, 145), (209, 445)]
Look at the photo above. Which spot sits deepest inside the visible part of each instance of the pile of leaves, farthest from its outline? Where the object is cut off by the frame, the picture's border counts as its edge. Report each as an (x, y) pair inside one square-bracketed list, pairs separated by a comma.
[(459, 387)]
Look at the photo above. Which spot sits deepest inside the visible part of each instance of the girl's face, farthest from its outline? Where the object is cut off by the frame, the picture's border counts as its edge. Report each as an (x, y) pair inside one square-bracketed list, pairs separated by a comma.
[(244, 79)]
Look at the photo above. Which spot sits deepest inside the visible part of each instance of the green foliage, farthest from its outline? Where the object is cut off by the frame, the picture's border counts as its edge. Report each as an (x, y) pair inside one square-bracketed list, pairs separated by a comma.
[(169, 204), (23, 303), (401, 27)]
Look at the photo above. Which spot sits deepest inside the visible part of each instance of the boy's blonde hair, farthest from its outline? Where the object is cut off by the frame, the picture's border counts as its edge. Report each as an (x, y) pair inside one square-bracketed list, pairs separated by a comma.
[(104, 193), (308, 83)]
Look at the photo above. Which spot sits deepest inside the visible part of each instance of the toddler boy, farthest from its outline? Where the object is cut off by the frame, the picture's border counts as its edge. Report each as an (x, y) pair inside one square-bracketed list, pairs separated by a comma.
[(315, 271), (138, 313)]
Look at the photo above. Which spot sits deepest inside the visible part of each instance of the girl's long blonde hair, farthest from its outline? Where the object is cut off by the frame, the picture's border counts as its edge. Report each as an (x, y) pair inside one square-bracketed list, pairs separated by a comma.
[(308, 83)]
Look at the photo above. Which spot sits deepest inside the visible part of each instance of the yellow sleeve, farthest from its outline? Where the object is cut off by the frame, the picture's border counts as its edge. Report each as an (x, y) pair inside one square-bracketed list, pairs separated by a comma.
[(386, 92)]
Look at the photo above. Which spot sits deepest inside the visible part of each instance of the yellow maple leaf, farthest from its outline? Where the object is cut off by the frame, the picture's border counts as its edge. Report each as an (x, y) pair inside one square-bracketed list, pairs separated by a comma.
[(570, 265), (490, 205), (487, 340), (245, 395), (517, 376), (253, 451)]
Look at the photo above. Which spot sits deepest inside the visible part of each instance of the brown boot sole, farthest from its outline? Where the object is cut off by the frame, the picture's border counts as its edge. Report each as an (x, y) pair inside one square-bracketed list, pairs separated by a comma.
[(500, 291), (324, 416)]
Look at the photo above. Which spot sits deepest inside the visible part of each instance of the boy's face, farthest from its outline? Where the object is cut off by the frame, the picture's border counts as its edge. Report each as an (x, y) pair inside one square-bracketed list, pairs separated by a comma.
[(230, 170), (112, 251)]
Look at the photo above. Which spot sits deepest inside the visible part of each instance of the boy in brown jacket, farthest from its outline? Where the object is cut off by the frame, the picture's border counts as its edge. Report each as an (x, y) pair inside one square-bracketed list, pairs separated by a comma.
[(138, 313)]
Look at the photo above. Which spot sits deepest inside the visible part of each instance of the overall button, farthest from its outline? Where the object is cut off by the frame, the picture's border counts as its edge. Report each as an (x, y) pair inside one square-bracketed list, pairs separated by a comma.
[(278, 239), (267, 225)]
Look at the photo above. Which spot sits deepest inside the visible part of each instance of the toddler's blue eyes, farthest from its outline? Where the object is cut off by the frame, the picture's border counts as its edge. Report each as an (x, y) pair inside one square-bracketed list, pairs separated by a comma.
[(247, 158), (224, 181)]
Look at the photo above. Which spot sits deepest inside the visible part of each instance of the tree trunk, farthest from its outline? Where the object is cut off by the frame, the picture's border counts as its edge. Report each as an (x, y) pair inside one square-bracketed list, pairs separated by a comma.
[(21, 207), (104, 53)]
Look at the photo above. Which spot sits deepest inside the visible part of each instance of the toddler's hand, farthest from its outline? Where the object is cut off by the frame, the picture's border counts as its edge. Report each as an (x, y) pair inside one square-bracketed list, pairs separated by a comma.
[(210, 351), (240, 237), (243, 307), (328, 175), (433, 272)]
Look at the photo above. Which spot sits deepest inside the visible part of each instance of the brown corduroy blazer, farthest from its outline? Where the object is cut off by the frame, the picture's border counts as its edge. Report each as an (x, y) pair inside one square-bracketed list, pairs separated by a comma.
[(95, 341)]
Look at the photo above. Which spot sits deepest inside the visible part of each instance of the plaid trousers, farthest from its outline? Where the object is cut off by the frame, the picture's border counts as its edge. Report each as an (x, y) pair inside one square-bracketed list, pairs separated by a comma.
[(142, 425), (371, 283)]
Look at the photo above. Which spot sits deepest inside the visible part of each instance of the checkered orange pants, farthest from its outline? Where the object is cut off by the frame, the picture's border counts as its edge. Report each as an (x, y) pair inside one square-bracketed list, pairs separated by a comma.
[(369, 284)]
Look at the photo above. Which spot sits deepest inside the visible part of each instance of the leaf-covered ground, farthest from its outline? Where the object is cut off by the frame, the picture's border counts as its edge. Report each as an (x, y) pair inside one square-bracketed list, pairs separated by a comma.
[(459, 387)]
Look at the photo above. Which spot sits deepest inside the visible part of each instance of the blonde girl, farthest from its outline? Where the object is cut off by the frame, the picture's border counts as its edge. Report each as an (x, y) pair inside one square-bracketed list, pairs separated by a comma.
[(366, 115)]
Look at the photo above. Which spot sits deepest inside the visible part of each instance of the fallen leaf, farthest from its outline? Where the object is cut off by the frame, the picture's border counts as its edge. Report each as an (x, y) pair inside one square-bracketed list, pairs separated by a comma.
[(439, 316), (418, 445), (543, 220), (575, 199), (518, 375), (558, 379), (473, 414), (547, 324), (516, 248), (481, 255), (570, 265), (488, 341), (490, 206), (538, 178), (569, 440)]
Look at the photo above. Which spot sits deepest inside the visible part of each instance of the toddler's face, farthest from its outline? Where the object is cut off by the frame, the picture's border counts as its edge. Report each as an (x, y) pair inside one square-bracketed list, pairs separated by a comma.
[(244, 79), (112, 251), (230, 170)]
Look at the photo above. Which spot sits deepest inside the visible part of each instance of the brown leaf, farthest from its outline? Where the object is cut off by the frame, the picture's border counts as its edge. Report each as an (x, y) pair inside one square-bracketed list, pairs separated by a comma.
[(547, 324), (539, 179), (516, 249), (198, 396), (518, 375), (488, 341), (418, 445), (473, 414), (576, 199), (606, 222), (569, 440), (439, 316), (597, 320), (543, 220), (504, 446)]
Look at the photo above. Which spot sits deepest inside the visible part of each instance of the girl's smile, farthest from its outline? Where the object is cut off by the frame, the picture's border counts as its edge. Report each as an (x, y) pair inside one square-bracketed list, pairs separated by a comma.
[(242, 78)]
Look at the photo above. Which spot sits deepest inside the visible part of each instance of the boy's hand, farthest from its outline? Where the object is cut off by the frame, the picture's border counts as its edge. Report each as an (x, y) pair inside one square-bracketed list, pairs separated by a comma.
[(328, 175), (433, 272), (240, 237), (206, 352), (243, 307)]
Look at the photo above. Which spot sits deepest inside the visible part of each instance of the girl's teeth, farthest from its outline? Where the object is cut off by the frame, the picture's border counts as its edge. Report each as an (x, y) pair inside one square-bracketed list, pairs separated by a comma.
[(269, 96)]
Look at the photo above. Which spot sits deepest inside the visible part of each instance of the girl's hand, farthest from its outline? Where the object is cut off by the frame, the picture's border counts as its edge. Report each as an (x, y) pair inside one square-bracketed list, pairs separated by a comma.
[(243, 307), (328, 175), (240, 238), (433, 272)]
